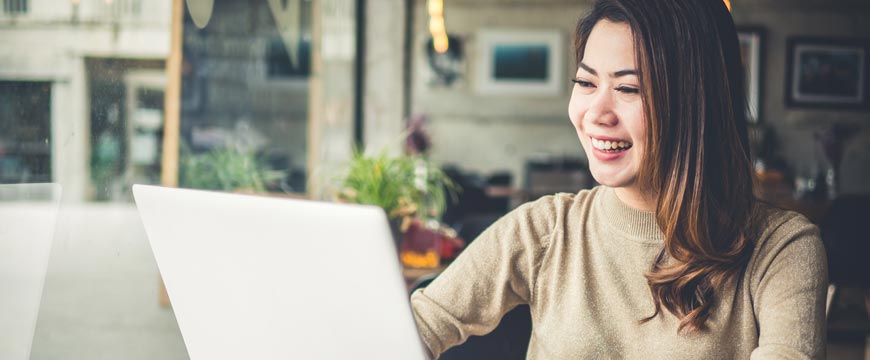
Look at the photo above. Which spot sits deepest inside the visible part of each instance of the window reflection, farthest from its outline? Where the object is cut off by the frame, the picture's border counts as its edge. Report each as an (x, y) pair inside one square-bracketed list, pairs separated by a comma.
[(245, 97), (126, 120), (25, 127), (82, 103)]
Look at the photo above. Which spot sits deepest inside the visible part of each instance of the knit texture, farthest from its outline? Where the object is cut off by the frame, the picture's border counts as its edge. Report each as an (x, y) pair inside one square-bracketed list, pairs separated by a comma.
[(579, 260)]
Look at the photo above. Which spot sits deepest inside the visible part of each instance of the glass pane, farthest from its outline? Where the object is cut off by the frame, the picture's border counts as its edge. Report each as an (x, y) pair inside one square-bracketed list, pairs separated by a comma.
[(83, 87), (25, 128), (28, 213), (245, 95), (126, 124)]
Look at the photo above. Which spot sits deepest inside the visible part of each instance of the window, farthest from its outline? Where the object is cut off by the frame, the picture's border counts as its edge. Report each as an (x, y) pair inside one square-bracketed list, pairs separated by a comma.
[(25, 128), (15, 7), (83, 86)]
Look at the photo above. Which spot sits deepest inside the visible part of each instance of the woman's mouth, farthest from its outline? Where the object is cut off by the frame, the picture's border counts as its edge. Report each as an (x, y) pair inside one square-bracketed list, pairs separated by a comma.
[(610, 146)]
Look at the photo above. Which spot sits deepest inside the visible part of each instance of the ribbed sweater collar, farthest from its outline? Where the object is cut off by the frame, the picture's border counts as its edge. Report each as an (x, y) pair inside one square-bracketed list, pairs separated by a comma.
[(636, 225)]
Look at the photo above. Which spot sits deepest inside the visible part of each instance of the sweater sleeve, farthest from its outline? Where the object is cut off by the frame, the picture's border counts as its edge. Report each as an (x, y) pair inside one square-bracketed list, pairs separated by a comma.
[(492, 276), (790, 281)]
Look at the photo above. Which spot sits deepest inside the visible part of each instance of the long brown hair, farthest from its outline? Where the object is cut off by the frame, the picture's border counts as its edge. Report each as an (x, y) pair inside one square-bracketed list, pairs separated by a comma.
[(697, 158)]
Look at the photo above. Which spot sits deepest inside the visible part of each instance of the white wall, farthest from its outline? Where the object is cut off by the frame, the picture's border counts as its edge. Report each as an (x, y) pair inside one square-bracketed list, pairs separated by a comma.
[(127, 12), (486, 133), (384, 56)]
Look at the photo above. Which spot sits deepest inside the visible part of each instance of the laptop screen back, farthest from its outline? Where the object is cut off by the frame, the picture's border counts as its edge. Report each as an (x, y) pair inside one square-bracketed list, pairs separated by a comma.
[(262, 278), (28, 217)]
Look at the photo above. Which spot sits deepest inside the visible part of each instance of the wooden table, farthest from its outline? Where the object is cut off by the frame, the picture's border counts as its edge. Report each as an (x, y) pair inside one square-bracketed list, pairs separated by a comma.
[(412, 275), (780, 195)]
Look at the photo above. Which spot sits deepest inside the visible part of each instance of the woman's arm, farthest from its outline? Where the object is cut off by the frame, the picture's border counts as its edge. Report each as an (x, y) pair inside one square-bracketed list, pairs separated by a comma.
[(789, 297), (492, 276)]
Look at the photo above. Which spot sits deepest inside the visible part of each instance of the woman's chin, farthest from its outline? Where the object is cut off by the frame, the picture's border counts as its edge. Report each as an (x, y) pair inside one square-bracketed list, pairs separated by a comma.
[(613, 180)]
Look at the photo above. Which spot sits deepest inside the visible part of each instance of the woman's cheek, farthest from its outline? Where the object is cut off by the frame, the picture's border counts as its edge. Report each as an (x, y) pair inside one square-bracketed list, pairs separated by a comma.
[(574, 114)]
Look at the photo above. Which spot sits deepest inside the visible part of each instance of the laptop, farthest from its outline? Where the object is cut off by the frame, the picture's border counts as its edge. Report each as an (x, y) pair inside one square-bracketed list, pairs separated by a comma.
[(28, 217), (254, 277)]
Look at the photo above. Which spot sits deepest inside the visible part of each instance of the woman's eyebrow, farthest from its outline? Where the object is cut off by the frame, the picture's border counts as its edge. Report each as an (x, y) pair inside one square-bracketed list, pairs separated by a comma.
[(617, 74), (589, 69), (622, 73)]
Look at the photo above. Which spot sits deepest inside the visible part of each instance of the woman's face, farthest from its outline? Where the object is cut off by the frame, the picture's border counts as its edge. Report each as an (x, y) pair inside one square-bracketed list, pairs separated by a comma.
[(606, 107)]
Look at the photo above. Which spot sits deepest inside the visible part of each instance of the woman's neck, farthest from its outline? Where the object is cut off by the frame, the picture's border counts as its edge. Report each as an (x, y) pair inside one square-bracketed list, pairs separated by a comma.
[(635, 198)]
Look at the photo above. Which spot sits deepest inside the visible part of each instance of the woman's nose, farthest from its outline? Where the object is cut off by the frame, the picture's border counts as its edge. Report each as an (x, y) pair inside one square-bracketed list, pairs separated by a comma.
[(600, 111)]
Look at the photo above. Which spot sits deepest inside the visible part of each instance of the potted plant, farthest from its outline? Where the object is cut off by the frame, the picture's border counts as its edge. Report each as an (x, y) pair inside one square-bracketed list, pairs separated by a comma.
[(411, 189)]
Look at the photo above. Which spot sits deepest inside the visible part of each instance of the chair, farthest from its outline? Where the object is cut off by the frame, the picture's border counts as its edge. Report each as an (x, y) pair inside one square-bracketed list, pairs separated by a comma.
[(846, 235), (471, 226), (550, 176), (473, 198)]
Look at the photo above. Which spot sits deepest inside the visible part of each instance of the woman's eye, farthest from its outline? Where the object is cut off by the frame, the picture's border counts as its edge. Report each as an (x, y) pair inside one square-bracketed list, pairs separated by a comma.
[(627, 90), (582, 83)]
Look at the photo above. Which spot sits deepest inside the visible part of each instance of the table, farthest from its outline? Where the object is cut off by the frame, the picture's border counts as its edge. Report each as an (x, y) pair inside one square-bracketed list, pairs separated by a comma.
[(412, 275)]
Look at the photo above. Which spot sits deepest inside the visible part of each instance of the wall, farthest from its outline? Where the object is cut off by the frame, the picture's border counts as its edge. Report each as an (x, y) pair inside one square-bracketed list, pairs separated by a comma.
[(795, 126), (384, 57), (486, 133)]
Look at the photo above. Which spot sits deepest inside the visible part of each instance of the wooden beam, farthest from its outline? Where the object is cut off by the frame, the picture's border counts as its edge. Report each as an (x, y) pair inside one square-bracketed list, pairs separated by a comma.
[(172, 99), (316, 102), (171, 114)]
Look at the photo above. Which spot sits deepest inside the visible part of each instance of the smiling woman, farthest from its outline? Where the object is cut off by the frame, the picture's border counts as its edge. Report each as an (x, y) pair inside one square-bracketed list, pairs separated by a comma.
[(707, 243), (672, 256)]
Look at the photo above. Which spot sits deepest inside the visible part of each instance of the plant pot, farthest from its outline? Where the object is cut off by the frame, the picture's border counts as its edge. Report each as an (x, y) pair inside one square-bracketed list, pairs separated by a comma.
[(420, 246)]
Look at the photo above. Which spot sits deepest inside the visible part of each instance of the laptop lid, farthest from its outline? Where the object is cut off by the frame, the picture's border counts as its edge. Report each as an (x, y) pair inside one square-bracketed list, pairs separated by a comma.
[(28, 217), (262, 278)]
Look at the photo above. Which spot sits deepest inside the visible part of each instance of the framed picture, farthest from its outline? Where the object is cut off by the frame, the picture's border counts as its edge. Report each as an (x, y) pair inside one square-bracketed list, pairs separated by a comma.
[(827, 73), (519, 62), (751, 51)]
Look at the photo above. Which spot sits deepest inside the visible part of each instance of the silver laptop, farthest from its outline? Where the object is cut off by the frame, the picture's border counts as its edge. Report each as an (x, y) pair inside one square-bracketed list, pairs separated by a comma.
[(28, 215), (263, 278)]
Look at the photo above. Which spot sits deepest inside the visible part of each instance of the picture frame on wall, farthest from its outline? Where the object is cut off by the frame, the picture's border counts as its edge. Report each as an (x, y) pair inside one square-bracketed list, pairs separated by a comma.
[(519, 62), (752, 53), (827, 73)]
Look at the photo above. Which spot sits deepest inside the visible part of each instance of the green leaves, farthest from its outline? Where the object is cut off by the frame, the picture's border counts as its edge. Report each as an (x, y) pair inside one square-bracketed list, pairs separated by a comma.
[(224, 169), (401, 185)]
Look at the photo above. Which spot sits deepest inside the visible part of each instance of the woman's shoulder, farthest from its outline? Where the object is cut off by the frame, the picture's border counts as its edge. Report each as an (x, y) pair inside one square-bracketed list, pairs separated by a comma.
[(772, 224), (547, 213)]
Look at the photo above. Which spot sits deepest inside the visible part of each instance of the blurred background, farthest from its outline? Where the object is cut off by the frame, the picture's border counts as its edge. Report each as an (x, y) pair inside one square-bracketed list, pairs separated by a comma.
[(292, 98)]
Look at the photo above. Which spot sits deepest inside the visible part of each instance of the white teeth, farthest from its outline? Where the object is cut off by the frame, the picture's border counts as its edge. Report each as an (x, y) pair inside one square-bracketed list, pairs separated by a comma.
[(608, 145)]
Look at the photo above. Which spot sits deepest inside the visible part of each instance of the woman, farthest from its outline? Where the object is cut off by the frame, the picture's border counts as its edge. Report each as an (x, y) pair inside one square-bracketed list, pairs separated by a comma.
[(672, 256)]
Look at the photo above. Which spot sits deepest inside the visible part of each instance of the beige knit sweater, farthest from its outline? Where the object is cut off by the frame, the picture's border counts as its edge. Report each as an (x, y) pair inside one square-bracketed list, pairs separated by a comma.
[(578, 260)]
